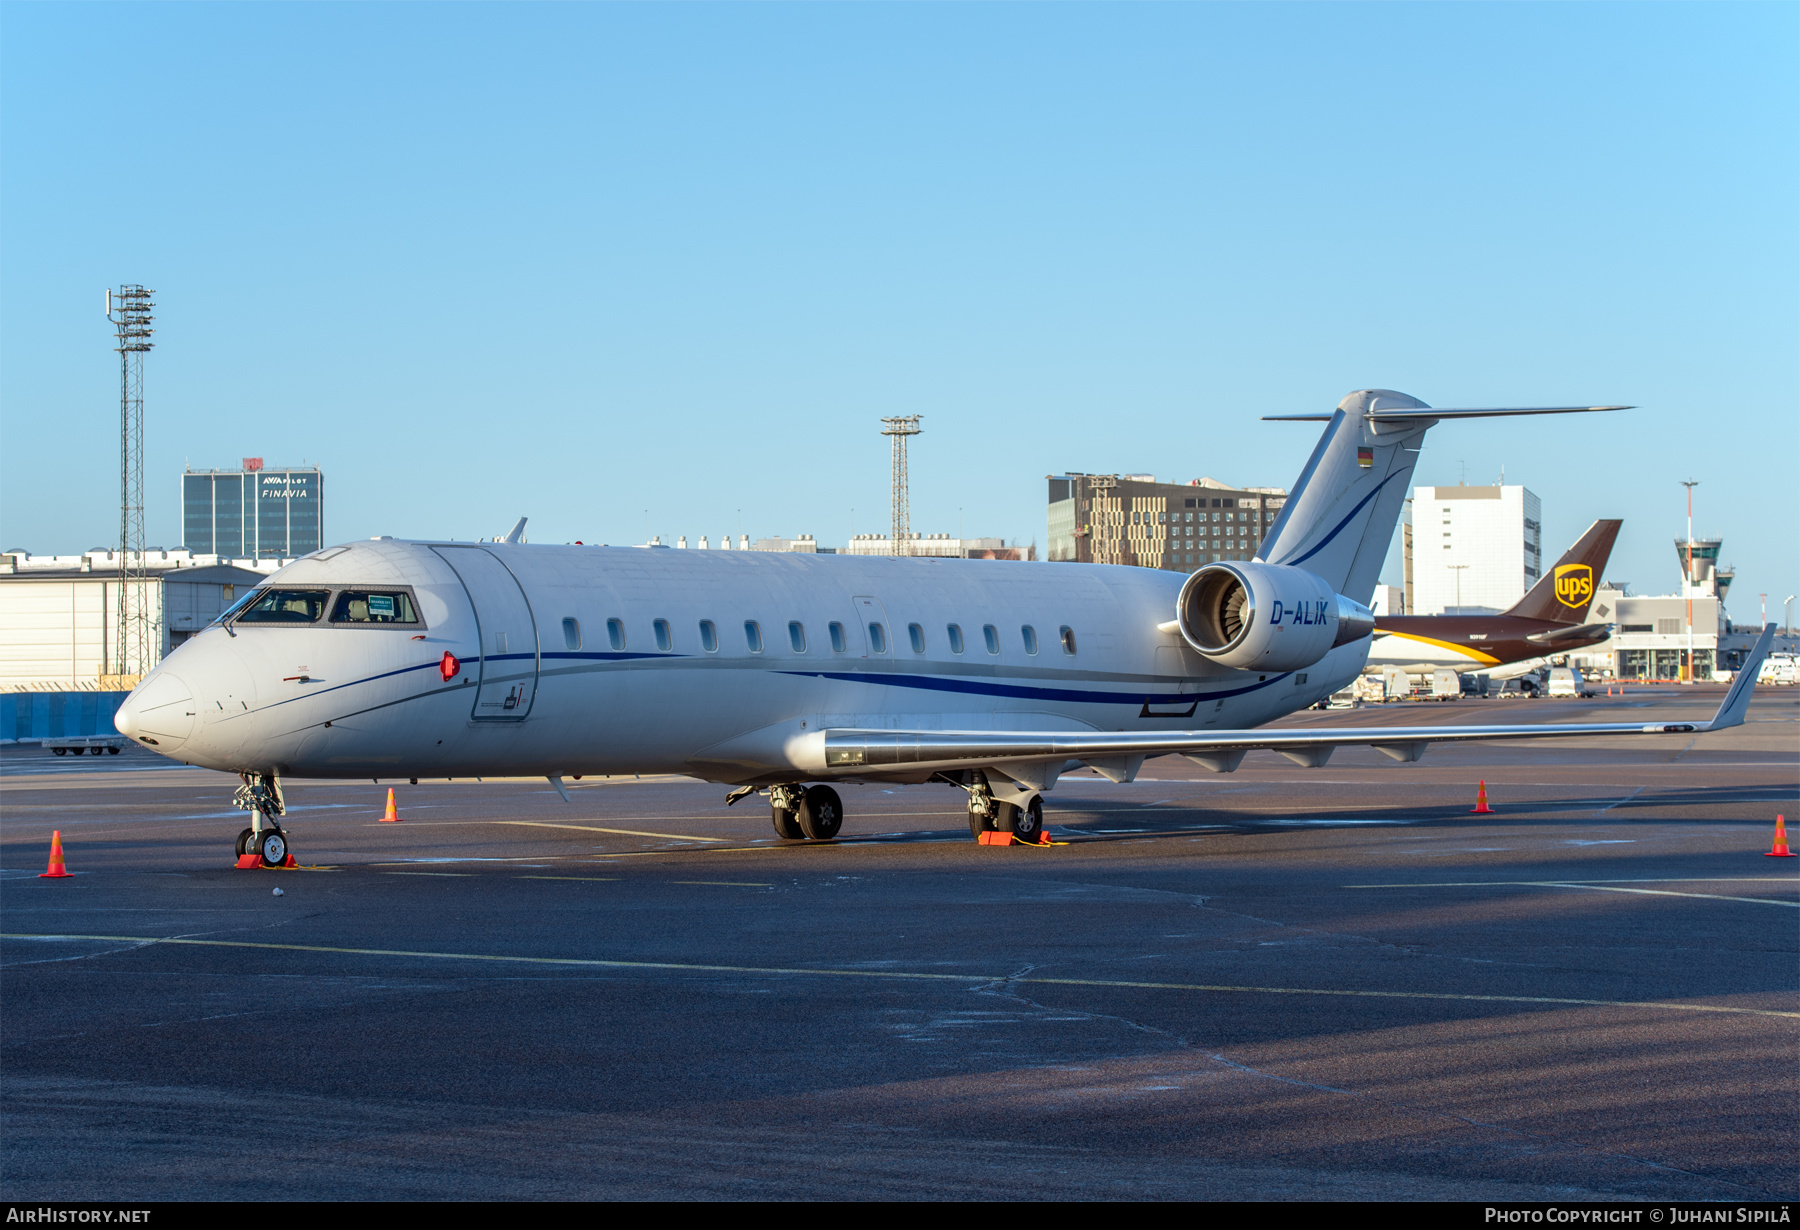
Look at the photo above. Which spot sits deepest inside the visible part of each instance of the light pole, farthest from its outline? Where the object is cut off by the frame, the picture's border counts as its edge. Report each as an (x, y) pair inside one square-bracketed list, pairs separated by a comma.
[(1458, 570), (1687, 568), (1787, 618)]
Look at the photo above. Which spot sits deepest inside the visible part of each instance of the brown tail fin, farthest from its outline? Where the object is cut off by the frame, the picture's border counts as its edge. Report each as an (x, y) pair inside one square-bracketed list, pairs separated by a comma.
[(1564, 593)]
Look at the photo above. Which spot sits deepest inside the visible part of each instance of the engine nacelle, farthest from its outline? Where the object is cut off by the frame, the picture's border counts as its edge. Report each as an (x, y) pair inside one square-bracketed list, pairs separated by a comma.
[(1271, 617)]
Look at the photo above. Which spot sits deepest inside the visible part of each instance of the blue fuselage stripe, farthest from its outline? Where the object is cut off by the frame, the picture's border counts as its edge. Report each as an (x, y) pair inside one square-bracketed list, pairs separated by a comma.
[(1020, 692), (930, 683)]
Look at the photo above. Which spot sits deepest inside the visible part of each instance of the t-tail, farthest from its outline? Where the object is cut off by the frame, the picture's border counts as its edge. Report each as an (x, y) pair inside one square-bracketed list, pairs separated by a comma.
[(1564, 594), (1340, 518)]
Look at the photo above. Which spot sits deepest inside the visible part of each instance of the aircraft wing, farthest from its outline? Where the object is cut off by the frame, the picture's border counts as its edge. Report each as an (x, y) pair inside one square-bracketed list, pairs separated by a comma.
[(1033, 758)]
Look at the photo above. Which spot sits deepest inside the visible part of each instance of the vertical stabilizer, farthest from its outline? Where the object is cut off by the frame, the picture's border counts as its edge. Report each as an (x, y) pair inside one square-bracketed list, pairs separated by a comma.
[(1563, 594), (1341, 515)]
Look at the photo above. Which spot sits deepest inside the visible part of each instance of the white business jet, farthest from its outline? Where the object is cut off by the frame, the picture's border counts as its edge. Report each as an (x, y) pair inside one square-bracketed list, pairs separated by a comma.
[(784, 673)]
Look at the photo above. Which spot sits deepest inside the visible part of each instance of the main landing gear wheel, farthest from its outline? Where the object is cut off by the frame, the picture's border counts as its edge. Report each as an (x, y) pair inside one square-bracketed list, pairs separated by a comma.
[(786, 827), (1006, 815), (979, 824), (1028, 821), (274, 848), (244, 841), (821, 813)]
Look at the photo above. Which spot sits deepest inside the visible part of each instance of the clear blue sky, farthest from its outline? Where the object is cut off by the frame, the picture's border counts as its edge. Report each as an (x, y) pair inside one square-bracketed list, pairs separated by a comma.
[(579, 262)]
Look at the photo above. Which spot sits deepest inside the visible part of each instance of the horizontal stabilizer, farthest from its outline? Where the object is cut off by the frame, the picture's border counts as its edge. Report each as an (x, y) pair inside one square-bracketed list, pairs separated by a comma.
[(1435, 412), (1584, 634)]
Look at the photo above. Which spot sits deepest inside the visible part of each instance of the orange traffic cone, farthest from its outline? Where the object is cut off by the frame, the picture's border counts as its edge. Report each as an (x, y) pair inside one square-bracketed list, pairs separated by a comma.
[(1780, 850), (57, 871), (392, 816), (1481, 808)]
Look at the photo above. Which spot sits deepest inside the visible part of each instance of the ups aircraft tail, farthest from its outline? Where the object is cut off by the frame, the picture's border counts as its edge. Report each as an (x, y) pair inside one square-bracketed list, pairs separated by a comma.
[(1563, 594), (1340, 518)]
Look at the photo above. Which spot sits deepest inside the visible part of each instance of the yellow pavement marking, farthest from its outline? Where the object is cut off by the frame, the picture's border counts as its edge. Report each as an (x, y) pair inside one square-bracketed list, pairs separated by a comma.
[(588, 828), (584, 879), (722, 883), (460, 875), (1608, 886), (901, 975)]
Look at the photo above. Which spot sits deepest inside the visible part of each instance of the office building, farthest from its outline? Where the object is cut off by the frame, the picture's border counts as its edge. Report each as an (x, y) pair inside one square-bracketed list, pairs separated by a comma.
[(1133, 519), (1472, 550), (253, 512)]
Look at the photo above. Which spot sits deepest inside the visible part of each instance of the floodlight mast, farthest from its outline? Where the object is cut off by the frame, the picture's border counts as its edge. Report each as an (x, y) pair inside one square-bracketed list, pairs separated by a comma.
[(1688, 579), (134, 651), (900, 427)]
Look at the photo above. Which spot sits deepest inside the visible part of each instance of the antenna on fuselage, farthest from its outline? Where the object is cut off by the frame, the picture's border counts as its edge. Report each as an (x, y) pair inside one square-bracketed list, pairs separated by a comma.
[(518, 532)]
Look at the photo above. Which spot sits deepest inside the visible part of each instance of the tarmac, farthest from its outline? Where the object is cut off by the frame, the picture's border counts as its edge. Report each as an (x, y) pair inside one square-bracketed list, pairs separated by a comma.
[(1279, 983)]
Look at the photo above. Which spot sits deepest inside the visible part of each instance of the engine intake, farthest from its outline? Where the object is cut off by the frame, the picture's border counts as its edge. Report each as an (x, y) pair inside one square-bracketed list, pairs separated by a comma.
[(1274, 617)]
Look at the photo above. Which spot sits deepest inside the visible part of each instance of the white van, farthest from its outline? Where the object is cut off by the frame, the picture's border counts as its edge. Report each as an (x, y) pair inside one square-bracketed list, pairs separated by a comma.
[(1779, 668), (1567, 681)]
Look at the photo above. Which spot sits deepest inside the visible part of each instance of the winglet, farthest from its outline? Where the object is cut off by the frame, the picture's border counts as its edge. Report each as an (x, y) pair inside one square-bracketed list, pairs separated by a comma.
[(518, 531), (1737, 700)]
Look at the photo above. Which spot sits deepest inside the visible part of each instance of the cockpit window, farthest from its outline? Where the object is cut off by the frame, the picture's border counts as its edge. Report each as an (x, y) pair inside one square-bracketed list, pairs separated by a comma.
[(367, 606), (285, 606), (231, 612)]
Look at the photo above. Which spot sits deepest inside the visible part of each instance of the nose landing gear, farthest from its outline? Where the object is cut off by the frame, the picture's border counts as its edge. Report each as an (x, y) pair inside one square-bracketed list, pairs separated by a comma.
[(263, 844), (270, 850)]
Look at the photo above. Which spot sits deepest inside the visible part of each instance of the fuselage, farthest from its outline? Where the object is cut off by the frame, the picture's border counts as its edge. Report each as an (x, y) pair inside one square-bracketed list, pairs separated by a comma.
[(573, 660), (1483, 643)]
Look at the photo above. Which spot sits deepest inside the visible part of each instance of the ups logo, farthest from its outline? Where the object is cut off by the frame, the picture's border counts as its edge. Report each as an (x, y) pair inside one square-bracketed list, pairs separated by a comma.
[(1574, 585)]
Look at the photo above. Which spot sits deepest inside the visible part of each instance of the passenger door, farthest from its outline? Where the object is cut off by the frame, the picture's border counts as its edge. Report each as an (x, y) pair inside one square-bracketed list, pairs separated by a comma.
[(507, 670)]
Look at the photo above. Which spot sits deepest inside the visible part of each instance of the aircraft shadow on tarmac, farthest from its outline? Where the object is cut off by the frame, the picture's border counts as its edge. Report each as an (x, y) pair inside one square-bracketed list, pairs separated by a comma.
[(1176, 819)]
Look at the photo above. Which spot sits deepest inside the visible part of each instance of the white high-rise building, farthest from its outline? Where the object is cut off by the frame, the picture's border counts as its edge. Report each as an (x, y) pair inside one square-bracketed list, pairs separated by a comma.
[(1475, 550)]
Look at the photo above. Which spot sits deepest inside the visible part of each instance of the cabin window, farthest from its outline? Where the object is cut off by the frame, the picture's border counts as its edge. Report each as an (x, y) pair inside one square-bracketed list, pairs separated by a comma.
[(571, 634), (361, 606), (991, 635), (956, 641), (753, 636), (877, 638), (1068, 640), (1029, 635), (838, 644), (797, 636), (917, 636), (665, 637), (709, 636), (615, 633), (286, 606)]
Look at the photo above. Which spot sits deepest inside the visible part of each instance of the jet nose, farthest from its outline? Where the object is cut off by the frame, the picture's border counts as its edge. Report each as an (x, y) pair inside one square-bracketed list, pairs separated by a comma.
[(159, 712)]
